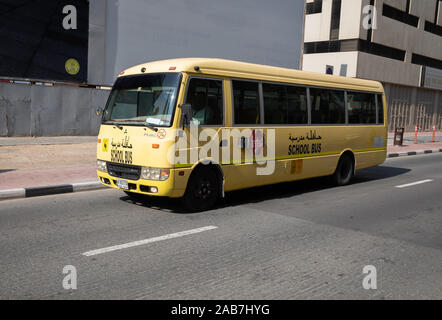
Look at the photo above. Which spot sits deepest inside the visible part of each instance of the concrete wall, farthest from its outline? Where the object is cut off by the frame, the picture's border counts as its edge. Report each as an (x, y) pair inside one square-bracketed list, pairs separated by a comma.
[(439, 17), (405, 37), (318, 62), (388, 70), (33, 110), (351, 15), (317, 26), (130, 32), (400, 4)]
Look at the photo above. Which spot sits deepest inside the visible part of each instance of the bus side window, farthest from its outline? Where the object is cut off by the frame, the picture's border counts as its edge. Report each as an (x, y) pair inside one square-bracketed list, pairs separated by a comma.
[(275, 104), (285, 104), (380, 108), (361, 108), (246, 102), (328, 106), (337, 107), (206, 98), (297, 105)]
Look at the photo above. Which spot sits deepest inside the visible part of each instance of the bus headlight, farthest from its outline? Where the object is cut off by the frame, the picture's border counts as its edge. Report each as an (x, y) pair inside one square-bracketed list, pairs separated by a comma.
[(101, 165), (155, 174)]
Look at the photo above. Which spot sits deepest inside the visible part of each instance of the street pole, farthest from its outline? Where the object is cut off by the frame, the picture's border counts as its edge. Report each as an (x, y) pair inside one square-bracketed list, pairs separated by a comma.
[(415, 135)]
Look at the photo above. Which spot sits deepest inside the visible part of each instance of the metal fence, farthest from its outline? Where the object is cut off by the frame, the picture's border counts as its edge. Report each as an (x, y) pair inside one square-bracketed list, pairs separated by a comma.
[(39, 110), (410, 106)]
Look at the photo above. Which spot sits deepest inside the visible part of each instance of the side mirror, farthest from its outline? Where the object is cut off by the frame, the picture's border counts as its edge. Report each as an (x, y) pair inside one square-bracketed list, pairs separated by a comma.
[(99, 112), (186, 114)]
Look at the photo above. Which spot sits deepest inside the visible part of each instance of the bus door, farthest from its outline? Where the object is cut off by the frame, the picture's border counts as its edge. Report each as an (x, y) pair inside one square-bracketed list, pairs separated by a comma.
[(206, 97), (246, 119)]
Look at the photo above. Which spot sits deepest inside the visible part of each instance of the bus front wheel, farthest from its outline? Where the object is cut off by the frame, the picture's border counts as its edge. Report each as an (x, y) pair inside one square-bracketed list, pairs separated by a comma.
[(202, 190), (344, 171)]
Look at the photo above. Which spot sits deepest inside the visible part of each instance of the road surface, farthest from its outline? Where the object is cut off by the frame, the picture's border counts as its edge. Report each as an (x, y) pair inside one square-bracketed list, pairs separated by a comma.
[(299, 240)]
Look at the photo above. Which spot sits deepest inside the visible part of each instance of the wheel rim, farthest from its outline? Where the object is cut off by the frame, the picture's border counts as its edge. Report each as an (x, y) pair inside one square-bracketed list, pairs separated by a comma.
[(203, 190)]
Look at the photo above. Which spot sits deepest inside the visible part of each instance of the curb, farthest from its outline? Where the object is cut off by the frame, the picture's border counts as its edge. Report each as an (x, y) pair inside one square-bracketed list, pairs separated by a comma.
[(48, 190), (412, 153)]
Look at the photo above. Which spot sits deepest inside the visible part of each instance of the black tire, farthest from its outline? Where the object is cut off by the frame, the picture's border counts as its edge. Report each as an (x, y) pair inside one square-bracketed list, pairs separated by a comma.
[(202, 190), (344, 171)]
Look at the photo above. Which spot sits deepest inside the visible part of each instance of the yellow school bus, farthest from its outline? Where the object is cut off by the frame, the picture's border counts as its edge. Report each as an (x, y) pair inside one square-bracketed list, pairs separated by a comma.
[(194, 128)]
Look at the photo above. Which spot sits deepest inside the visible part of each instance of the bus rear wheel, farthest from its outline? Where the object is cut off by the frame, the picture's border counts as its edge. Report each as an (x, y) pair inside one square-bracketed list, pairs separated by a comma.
[(202, 190), (344, 171)]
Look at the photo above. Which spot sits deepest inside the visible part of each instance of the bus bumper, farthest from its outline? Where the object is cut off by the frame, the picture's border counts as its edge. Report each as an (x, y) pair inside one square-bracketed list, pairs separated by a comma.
[(166, 188)]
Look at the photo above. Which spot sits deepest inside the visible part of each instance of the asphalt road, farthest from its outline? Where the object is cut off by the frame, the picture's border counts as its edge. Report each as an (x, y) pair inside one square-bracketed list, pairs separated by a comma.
[(299, 240)]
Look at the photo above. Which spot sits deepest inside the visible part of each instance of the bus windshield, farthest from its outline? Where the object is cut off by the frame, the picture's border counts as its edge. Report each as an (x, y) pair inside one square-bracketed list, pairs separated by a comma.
[(143, 100)]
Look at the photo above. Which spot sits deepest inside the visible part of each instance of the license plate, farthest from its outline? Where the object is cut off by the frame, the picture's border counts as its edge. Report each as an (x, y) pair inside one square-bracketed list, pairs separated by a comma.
[(123, 184)]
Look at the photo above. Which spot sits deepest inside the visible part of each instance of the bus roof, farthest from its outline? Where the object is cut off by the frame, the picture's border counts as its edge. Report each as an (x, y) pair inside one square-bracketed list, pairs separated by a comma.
[(237, 69)]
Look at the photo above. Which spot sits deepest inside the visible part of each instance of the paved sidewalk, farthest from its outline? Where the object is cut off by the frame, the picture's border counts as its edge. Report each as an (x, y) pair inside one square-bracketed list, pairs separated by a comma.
[(415, 147), (13, 179), (424, 144), (34, 162), (19, 141), (422, 137)]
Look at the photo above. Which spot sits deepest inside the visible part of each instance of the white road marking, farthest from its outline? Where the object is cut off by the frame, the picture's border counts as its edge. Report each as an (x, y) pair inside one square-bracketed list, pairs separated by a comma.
[(414, 183), (146, 241)]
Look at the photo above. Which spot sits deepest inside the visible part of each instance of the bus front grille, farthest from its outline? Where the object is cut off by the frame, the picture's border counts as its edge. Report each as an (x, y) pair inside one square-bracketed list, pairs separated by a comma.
[(124, 171)]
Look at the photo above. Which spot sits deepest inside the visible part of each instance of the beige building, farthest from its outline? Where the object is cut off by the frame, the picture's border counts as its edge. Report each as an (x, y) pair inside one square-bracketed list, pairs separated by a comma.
[(397, 42)]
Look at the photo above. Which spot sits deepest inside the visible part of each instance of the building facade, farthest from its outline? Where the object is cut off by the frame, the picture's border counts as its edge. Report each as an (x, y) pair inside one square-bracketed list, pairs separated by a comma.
[(397, 42), (56, 55)]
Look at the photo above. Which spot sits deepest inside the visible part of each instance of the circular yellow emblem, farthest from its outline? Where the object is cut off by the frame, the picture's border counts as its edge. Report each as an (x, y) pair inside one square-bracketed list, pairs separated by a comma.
[(72, 66)]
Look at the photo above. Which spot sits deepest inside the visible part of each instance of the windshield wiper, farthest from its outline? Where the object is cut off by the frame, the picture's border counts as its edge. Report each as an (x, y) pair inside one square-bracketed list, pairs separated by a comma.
[(151, 127), (114, 123), (147, 124)]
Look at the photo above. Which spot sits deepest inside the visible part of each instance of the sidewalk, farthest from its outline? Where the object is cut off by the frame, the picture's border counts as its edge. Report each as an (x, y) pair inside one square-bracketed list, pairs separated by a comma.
[(422, 137), (413, 149), (29, 165), (17, 141), (424, 143), (36, 162)]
